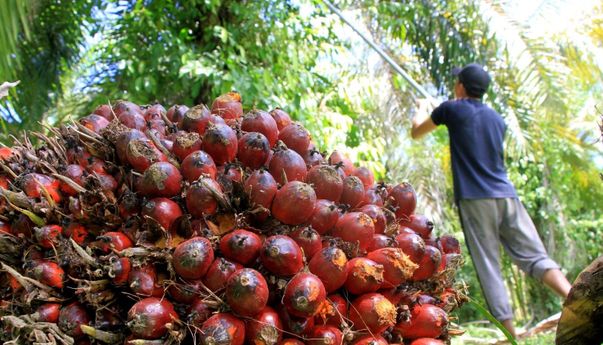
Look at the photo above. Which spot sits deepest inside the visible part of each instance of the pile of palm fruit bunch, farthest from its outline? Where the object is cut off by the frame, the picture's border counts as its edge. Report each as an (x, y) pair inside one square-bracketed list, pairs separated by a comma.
[(209, 225)]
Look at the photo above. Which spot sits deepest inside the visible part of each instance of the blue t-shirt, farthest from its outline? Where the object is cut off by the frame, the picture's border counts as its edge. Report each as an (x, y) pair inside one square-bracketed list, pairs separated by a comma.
[(476, 134)]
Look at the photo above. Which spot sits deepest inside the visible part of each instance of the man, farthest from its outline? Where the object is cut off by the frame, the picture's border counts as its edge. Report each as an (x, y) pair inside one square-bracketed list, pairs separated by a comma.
[(489, 209)]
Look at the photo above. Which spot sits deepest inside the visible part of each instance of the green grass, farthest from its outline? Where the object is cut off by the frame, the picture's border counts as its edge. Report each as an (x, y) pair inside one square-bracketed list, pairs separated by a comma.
[(487, 334)]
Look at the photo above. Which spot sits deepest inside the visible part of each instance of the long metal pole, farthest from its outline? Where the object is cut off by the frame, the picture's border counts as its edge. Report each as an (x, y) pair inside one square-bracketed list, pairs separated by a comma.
[(383, 54)]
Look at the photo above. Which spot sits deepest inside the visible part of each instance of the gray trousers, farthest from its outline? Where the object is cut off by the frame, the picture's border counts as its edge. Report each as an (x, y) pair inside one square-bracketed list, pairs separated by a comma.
[(488, 223)]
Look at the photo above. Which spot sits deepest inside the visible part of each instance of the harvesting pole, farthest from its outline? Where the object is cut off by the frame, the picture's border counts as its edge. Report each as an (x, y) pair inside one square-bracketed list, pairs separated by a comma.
[(381, 53)]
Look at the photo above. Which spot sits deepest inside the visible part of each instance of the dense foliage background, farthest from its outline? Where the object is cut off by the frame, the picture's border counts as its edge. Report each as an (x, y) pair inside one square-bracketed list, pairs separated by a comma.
[(71, 56)]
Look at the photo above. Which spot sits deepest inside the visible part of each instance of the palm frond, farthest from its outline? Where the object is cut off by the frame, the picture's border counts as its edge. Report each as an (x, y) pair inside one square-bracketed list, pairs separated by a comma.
[(14, 23)]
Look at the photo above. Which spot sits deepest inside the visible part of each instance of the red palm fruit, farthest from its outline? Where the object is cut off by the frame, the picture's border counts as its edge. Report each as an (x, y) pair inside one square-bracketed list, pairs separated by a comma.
[(356, 228), (241, 246), (5, 227), (199, 312), (129, 205), (372, 196), (308, 239), (218, 273), (94, 164), (412, 245), (4, 182), (291, 341), (405, 230), (154, 112), (403, 200), (294, 324), (198, 118), (426, 299), (185, 143), (94, 122), (186, 292), (449, 244), (286, 166), (313, 157), (120, 270), (106, 182), (122, 141), (427, 341), (339, 158), (304, 295), (107, 319), (325, 335), (113, 240), (143, 281), (230, 173), (426, 321), (296, 137), (431, 240), (382, 241), (122, 106), (281, 118), (261, 122), (161, 179), (326, 182), (400, 295), (247, 292), (325, 216), (294, 203), (158, 128), (370, 340), (419, 224), (192, 258), (222, 328), (397, 267), (14, 284), (5, 153), (22, 226), (134, 120), (196, 164), (47, 312), (377, 215), (228, 106), (281, 256), (220, 142), (148, 318), (365, 175), (48, 272), (142, 153), (448, 260), (253, 150), (105, 111), (163, 210), (168, 144), (76, 173), (34, 184), (353, 191), (264, 328), (260, 188), (71, 318), (429, 264), (176, 113), (364, 275), (330, 265), (48, 236), (334, 313), (201, 197), (372, 312)]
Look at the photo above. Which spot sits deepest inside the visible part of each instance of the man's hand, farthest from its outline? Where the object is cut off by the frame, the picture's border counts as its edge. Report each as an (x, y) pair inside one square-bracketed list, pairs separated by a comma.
[(422, 123)]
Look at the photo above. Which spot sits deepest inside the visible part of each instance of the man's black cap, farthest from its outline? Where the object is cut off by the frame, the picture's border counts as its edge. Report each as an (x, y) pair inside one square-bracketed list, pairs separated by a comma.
[(474, 78)]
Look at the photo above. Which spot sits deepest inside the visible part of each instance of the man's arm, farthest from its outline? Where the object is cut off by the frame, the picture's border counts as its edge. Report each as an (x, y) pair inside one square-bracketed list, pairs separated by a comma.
[(422, 123), (421, 126)]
